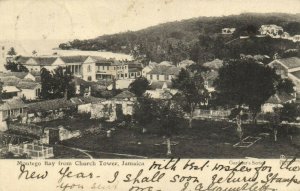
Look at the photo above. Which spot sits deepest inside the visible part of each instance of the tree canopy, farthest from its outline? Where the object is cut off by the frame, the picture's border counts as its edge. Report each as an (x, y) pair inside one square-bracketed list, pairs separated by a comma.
[(15, 67), (139, 86), (192, 90), (57, 84), (247, 83), (12, 51)]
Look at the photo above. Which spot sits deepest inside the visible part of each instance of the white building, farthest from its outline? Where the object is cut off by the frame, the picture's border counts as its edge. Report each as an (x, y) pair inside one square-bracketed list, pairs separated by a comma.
[(228, 30), (271, 30)]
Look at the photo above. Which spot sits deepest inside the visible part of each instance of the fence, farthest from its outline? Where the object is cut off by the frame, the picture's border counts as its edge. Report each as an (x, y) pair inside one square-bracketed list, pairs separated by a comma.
[(33, 150)]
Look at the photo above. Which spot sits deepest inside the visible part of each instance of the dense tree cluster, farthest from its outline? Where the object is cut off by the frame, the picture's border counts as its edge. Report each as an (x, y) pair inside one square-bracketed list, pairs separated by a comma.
[(57, 84)]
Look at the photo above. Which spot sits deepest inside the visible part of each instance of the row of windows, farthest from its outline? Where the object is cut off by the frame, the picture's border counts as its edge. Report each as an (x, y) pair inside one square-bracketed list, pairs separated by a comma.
[(166, 77), (13, 112)]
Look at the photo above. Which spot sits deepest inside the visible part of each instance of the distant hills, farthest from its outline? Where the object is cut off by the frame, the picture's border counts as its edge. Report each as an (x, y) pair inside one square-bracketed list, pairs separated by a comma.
[(199, 39)]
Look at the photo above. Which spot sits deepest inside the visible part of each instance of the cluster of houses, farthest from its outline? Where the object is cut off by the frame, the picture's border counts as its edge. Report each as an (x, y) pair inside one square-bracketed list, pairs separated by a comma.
[(97, 71), (271, 30)]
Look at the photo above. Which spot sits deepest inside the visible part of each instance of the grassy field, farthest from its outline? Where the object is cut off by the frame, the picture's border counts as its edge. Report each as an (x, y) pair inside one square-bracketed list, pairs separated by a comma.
[(207, 139)]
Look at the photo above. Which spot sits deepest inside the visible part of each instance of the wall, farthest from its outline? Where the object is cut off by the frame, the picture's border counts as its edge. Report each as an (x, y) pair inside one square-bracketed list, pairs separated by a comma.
[(29, 94)]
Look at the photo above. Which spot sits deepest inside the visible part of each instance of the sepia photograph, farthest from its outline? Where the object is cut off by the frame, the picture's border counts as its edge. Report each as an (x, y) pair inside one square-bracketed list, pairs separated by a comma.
[(137, 79)]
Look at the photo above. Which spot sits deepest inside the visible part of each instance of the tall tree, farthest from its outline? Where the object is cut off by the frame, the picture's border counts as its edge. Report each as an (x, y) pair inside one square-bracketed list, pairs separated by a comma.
[(169, 114), (145, 111), (139, 86), (57, 84), (12, 51), (63, 83), (245, 84), (47, 84), (13, 66), (192, 89)]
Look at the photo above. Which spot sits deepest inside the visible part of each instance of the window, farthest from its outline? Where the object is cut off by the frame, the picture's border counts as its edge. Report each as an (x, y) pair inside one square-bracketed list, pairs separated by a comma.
[(114, 68), (125, 75), (89, 68), (107, 67), (151, 77), (157, 76), (122, 75), (102, 67), (89, 78)]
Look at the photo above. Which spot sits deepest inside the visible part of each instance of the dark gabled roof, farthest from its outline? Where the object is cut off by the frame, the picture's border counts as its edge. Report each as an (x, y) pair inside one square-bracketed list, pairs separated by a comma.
[(14, 103), (19, 75), (98, 58), (125, 94), (296, 74), (27, 85), (49, 105), (22, 59), (86, 100), (74, 59), (10, 80), (45, 61), (134, 69), (280, 98), (10, 89), (292, 62), (215, 64)]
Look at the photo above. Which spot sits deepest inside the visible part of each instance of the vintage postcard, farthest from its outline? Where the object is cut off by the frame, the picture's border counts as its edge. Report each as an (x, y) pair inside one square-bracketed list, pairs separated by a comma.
[(162, 95)]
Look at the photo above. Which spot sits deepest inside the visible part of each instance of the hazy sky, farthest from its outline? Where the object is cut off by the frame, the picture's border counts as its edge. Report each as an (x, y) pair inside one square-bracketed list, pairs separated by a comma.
[(69, 19)]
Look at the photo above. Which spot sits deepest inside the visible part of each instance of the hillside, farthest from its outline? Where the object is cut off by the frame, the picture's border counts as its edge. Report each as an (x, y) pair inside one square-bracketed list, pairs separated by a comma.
[(198, 39)]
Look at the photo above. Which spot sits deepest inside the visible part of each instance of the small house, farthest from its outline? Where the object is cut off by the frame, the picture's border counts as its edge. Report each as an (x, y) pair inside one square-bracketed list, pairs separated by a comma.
[(276, 101)]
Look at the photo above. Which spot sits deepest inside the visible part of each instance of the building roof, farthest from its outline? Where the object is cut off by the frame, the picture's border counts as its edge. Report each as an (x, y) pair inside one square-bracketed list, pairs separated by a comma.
[(22, 59), (134, 69), (165, 70), (19, 75), (280, 98), (159, 85), (152, 64), (13, 103), (215, 64), (296, 74), (98, 58), (10, 80), (125, 94), (185, 63), (9, 89), (74, 59), (292, 62), (86, 100), (27, 85), (173, 71), (271, 26), (45, 61), (165, 63), (48, 105)]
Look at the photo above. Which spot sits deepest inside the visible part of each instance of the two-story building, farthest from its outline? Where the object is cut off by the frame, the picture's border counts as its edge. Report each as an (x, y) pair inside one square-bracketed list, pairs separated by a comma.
[(163, 73)]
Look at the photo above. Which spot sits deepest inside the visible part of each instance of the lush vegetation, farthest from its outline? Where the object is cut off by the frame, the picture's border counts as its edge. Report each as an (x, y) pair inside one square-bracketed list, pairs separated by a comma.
[(57, 84), (198, 39)]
